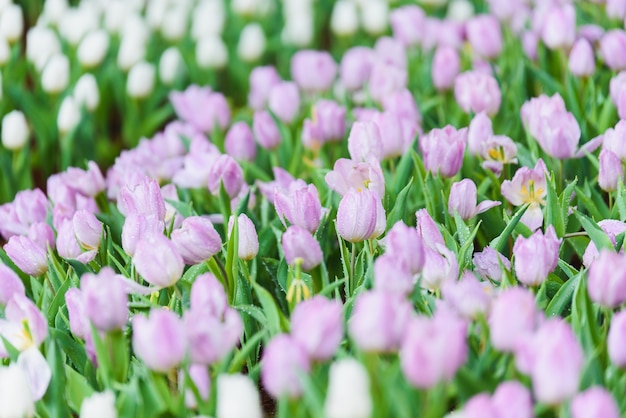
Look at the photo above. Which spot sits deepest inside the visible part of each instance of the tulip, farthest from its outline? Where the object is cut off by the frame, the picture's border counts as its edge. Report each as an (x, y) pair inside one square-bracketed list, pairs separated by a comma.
[(99, 405), (202, 108), (248, 241), (77, 313), (262, 79), (348, 394), (158, 261), (396, 133), (528, 186), (612, 140), (374, 16), (468, 297), (462, 200), (16, 396), (209, 18), (356, 66), (480, 406), (86, 92), (93, 48), (612, 228), (498, 150), (140, 81), (15, 130), (211, 338), (265, 130), (282, 361), (11, 22), (595, 402), (159, 340), (196, 240), (55, 75), (348, 174), (69, 115), (313, 71), (507, 330), (199, 376), (512, 399), (536, 256), (208, 296), (386, 79), (616, 339), (392, 275), (607, 279), (237, 396), (360, 216), (365, 140), (477, 92), (317, 326), (227, 172), (616, 9), (105, 300), (252, 42), (379, 321), (617, 89), (443, 150), (144, 198), (445, 67), (330, 118), (530, 42), (559, 26), (239, 142), (407, 24), (137, 227), (440, 266), (611, 45), (211, 52), (479, 130), (405, 244), (611, 171), (284, 101), (174, 25), (27, 255), (41, 44), (485, 36), (299, 245), (344, 20), (25, 326), (402, 103), (489, 263), (581, 60), (10, 285), (171, 65), (301, 206)]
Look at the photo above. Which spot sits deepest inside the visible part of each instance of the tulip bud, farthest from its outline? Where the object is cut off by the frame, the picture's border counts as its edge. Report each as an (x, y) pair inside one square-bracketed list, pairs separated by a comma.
[(610, 172), (159, 340), (595, 402), (313, 71), (209, 18), (365, 141), (356, 66), (140, 80), (86, 92), (348, 394), (386, 79), (488, 264), (298, 30), (11, 22), (392, 275), (105, 299), (225, 170), (485, 36), (360, 216), (513, 396), (404, 243), (77, 313), (559, 26), (299, 244), (93, 48), (88, 229), (41, 44), (407, 24), (446, 66), (251, 44), (132, 50), (262, 79), (144, 198), (460, 11), (211, 52), (171, 64), (477, 92), (248, 244), (196, 240), (15, 130), (283, 359), (16, 396), (284, 101), (56, 74), (158, 261), (344, 20), (617, 339), (211, 338), (301, 206), (536, 256), (374, 16), (137, 227), (479, 406), (443, 150), (611, 46), (581, 60), (607, 279), (237, 396), (506, 331), (265, 130), (99, 405), (317, 326), (239, 142), (202, 108), (174, 23), (27, 255), (463, 200), (199, 376), (480, 129), (69, 115)]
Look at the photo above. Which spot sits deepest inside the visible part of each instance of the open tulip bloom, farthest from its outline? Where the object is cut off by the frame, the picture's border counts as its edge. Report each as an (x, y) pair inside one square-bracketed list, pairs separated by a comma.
[(298, 208)]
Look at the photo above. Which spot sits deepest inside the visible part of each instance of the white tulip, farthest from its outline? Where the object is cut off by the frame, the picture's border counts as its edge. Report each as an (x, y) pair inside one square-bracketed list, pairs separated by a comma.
[(132, 51), (208, 18), (53, 10), (5, 51), (211, 52), (348, 393), (76, 23), (237, 396), (99, 405), (135, 27), (460, 10), (56, 74), (115, 14), (155, 13), (251, 42), (175, 23), (374, 16), (251, 7), (345, 18), (298, 29), (170, 65), (41, 44), (15, 133), (86, 92), (140, 80), (93, 48), (16, 398), (69, 115), (12, 22)]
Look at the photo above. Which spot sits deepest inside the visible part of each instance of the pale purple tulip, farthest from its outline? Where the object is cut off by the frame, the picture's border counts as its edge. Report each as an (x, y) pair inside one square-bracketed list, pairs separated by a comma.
[(158, 261), (463, 199), (211, 338), (239, 142), (479, 130), (390, 51), (404, 243), (611, 171), (468, 297), (226, 171), (10, 284), (299, 245), (365, 141), (443, 149), (507, 330), (559, 26), (402, 103), (300, 206), (396, 133), (536, 256), (445, 67), (607, 279), (379, 320), (480, 406), (284, 101), (79, 324), (485, 36), (489, 264), (498, 150), (612, 45), (513, 400), (360, 216), (330, 119), (24, 325), (202, 108), (407, 24), (528, 186), (196, 240), (613, 138), (88, 182), (317, 326), (477, 92), (440, 266), (428, 230), (159, 340), (28, 207), (386, 79), (356, 67), (265, 130), (616, 340), (530, 44), (616, 9), (262, 79), (283, 359), (392, 274), (283, 182), (582, 62), (199, 375), (348, 174), (612, 228), (595, 402), (105, 300), (313, 71), (27, 255), (88, 230), (143, 198), (137, 227), (248, 240)]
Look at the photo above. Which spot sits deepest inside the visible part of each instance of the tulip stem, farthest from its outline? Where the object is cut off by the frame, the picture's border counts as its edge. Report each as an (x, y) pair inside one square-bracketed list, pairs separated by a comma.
[(352, 268)]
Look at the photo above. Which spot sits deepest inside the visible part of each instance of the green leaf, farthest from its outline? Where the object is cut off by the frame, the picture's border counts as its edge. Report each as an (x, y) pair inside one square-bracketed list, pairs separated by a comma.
[(399, 208), (57, 387), (563, 298), (500, 241), (77, 388), (194, 271), (270, 308), (184, 208), (58, 301), (554, 215), (597, 235), (240, 358)]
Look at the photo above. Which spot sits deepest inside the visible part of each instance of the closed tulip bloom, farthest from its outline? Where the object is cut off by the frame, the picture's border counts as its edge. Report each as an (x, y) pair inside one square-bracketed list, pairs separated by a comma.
[(248, 244), (202, 108), (330, 117), (427, 229), (344, 20), (10, 285), (559, 135), (140, 81), (282, 361), (557, 362), (617, 89), (616, 340), (402, 103), (385, 80), (489, 263), (15, 130), (88, 229), (616, 9), (171, 65), (317, 326), (79, 324), (611, 171), (356, 66), (211, 338), (611, 46), (463, 200), (607, 279), (69, 115), (513, 400), (93, 48), (404, 243), (379, 320), (530, 44), (468, 296), (208, 296), (582, 62), (440, 266), (477, 92), (137, 227), (299, 244), (485, 36), (613, 139), (86, 92), (56, 73), (559, 26), (392, 275), (105, 299), (396, 133), (536, 256), (365, 140), (433, 349), (27, 255), (480, 406), (300, 206), (158, 261), (237, 396), (360, 216), (159, 340), (313, 71), (144, 198), (595, 402), (507, 330), (284, 101), (265, 130), (443, 149), (211, 52), (99, 405), (196, 240), (199, 376), (446, 66), (239, 142), (528, 186), (348, 394), (407, 24), (612, 228), (262, 79), (252, 42), (225, 170)]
